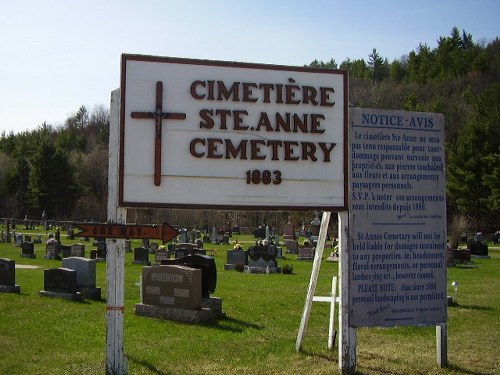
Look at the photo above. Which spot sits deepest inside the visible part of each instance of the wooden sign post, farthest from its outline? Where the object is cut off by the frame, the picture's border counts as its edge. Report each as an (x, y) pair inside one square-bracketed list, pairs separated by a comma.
[(250, 136)]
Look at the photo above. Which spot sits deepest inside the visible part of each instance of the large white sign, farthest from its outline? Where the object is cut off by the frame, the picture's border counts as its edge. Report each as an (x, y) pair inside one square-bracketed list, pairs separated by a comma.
[(219, 134), (397, 210)]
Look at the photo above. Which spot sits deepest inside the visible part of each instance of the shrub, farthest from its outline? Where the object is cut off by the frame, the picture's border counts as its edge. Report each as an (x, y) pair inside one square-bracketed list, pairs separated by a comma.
[(287, 269)]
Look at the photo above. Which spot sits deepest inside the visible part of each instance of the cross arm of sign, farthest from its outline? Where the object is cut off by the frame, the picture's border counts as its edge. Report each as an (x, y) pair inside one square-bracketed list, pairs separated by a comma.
[(162, 232)]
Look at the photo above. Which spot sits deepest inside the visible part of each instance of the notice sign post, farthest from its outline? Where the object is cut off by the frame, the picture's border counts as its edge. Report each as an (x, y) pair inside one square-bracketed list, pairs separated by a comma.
[(211, 134), (397, 272)]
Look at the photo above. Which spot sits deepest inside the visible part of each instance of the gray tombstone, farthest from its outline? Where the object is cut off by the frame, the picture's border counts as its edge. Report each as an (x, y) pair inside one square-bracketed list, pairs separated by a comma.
[(153, 246), (19, 239), (85, 268), (161, 254), (234, 257), (52, 251), (128, 246), (78, 250), (86, 275)]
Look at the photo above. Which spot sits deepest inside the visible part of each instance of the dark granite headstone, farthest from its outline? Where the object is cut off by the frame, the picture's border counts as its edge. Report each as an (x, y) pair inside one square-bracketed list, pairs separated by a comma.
[(101, 250), (141, 256), (7, 272), (184, 249), (28, 250), (262, 259), (260, 232), (205, 263), (60, 280)]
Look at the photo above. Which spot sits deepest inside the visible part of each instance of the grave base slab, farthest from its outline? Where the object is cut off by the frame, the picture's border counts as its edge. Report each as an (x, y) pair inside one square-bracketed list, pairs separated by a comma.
[(178, 315), (77, 297), (250, 269), (10, 289)]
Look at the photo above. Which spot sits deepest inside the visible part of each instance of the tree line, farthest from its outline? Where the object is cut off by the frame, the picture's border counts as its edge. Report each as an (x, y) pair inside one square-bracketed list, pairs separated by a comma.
[(63, 170)]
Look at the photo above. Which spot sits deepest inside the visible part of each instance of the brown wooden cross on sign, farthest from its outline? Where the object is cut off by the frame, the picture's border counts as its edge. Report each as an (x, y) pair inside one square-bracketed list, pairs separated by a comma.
[(158, 116)]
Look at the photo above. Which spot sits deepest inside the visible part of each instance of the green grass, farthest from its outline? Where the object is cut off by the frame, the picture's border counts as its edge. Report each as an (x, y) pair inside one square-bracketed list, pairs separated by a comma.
[(41, 335)]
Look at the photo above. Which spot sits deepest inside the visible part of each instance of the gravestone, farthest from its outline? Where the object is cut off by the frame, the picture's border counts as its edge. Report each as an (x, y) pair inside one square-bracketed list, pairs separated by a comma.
[(65, 250), (27, 238), (172, 285), (19, 239), (182, 250), (161, 254), (260, 232), (128, 246), (183, 235), (62, 283), (141, 256), (28, 250), (52, 251), (101, 250), (78, 250), (203, 262), (7, 272), (306, 253), (153, 246), (8, 276), (93, 254), (70, 233), (289, 231), (292, 247), (172, 292), (38, 238), (262, 259), (234, 257), (86, 275), (315, 225)]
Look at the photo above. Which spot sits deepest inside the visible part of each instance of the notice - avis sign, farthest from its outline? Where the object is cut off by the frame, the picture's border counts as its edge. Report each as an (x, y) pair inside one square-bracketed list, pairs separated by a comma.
[(219, 134), (397, 272)]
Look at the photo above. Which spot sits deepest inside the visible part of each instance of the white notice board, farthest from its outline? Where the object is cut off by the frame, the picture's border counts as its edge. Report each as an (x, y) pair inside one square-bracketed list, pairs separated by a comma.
[(397, 207)]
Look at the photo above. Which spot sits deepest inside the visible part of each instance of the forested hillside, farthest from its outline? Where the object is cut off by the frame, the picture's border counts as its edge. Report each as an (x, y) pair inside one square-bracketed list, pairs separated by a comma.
[(64, 169)]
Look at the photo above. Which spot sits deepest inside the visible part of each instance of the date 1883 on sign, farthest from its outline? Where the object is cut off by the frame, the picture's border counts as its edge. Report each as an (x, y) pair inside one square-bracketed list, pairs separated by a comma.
[(265, 177)]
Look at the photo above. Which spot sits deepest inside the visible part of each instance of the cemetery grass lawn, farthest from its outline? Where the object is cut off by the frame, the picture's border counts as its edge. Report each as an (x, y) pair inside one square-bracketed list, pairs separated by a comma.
[(42, 335)]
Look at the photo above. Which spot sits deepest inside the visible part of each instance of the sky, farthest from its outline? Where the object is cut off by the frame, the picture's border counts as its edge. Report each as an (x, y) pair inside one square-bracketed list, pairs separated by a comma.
[(57, 55)]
